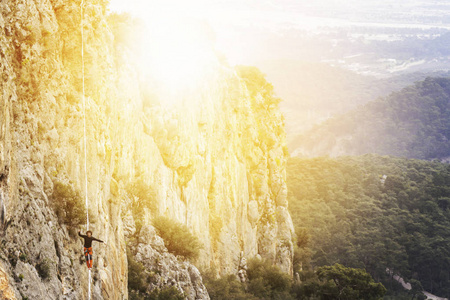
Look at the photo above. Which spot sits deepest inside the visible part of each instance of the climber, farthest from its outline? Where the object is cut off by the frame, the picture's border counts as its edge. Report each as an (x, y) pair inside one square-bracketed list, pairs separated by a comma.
[(88, 238)]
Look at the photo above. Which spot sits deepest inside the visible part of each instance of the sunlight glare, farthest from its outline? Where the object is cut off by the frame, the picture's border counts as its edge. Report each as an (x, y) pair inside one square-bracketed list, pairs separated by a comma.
[(178, 49), (178, 53)]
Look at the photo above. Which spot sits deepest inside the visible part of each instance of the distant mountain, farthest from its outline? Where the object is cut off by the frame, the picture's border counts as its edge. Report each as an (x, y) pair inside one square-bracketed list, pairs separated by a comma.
[(313, 92), (414, 123)]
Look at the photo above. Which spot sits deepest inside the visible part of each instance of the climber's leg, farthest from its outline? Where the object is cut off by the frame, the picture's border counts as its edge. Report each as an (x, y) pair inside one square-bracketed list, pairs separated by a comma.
[(88, 255)]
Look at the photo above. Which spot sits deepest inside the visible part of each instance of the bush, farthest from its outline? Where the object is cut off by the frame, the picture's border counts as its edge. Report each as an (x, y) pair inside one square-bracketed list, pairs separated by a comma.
[(144, 196), (350, 283), (12, 259), (215, 225), (43, 268), (145, 193), (68, 204), (177, 238), (226, 288), (134, 295), (136, 275), (267, 281), (23, 257), (168, 293), (139, 279)]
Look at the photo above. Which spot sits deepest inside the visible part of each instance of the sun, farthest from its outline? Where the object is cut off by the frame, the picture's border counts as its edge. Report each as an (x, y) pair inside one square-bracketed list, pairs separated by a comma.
[(178, 54), (176, 49)]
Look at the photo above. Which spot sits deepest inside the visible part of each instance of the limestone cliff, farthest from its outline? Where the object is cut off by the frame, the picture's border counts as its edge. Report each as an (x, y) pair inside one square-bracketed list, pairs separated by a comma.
[(214, 160)]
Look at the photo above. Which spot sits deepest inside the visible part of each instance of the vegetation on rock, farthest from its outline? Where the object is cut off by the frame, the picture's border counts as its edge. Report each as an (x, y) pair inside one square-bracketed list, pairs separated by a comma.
[(68, 204), (139, 280), (44, 268), (177, 238), (143, 197), (266, 281)]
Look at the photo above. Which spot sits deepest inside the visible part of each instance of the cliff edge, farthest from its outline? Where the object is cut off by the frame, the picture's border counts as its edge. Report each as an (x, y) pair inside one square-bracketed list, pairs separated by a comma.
[(213, 159)]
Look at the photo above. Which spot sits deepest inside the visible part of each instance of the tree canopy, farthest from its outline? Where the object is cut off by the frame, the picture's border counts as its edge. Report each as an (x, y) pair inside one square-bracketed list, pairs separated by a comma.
[(374, 212)]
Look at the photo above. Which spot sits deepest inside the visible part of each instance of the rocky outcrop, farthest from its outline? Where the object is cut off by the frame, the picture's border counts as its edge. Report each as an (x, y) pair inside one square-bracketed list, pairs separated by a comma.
[(6, 292), (214, 160), (165, 269)]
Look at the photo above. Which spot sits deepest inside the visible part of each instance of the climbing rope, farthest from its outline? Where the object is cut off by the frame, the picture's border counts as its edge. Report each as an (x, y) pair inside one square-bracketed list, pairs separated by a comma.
[(84, 134), (89, 286), (84, 119)]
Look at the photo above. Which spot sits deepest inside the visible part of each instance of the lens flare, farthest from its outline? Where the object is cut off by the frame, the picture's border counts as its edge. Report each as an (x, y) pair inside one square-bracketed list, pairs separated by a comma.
[(179, 54)]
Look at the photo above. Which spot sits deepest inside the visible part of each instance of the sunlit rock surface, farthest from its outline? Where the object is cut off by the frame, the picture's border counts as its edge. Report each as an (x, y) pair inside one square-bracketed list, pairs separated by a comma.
[(210, 158)]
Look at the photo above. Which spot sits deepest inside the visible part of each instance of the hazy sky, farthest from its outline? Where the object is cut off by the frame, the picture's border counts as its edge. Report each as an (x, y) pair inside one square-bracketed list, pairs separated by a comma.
[(239, 25), (241, 11)]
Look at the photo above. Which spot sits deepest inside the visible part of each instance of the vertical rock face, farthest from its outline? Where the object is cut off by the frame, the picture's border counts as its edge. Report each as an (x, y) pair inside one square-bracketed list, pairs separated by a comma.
[(214, 160)]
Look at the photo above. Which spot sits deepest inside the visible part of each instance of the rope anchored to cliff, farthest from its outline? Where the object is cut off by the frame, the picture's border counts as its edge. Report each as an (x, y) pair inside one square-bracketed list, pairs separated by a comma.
[(88, 238), (84, 119), (89, 251)]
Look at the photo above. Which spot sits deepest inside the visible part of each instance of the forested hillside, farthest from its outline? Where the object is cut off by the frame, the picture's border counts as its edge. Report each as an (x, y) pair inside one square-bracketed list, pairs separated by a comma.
[(413, 123), (313, 92), (374, 212)]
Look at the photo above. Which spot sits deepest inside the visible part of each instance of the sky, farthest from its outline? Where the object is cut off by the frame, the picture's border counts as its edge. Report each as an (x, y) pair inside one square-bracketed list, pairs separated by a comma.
[(268, 13), (239, 24)]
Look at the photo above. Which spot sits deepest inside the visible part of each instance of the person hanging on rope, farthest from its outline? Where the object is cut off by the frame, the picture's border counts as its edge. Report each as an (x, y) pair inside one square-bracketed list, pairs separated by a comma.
[(88, 238)]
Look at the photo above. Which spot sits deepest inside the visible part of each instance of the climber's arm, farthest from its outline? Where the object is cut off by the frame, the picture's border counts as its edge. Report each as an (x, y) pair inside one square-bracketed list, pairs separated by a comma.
[(94, 239)]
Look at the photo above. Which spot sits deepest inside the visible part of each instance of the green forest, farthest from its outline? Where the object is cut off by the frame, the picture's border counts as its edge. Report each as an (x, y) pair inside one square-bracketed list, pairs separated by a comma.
[(413, 123), (383, 214)]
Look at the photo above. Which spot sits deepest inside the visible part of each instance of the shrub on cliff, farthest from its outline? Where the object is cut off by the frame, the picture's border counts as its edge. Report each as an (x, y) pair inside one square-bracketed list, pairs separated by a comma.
[(44, 268), (144, 197), (177, 238), (264, 105), (226, 288), (68, 204), (267, 281), (136, 275), (139, 279), (168, 293)]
